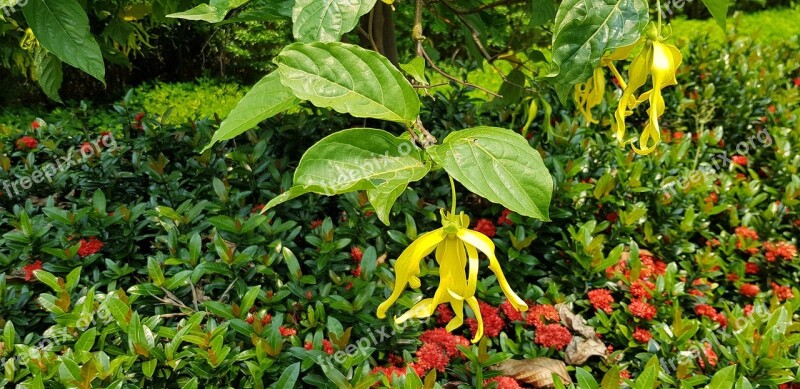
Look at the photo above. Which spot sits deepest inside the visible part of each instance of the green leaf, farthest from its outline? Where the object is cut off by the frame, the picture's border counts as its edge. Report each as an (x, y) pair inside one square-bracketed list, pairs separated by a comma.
[(358, 159), (499, 165), (723, 379), (611, 379), (86, 341), (267, 98), (49, 74), (327, 20), (647, 379), (585, 29), (249, 299), (743, 383), (9, 335), (62, 27), (48, 279), (289, 376), (213, 12), (585, 379), (416, 69), (719, 10), (348, 79)]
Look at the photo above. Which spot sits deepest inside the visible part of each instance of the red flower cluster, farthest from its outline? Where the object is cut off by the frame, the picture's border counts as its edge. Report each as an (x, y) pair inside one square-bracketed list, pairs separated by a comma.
[(438, 347), (642, 289), (285, 332), (27, 143), (30, 268), (796, 81), (315, 224), (486, 227), (492, 322), (601, 300), (553, 335), (746, 235), (642, 335), (709, 311), (749, 290), (257, 208), (711, 356), (35, 124), (511, 313), (327, 347), (539, 314), (503, 383), (740, 160), (783, 292), (712, 198), (650, 267), (445, 314), (504, 220), (751, 268), (641, 309), (356, 254), (89, 247), (782, 249)]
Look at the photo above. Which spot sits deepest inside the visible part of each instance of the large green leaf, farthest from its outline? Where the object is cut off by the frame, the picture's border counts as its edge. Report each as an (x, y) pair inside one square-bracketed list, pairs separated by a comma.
[(719, 10), (49, 74), (348, 79), (723, 379), (327, 20), (499, 165), (62, 27), (358, 159), (585, 29), (267, 98)]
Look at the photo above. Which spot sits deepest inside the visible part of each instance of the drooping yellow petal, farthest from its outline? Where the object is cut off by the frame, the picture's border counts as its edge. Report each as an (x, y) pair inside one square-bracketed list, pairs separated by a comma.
[(472, 281), (458, 320), (407, 266), (486, 246), (637, 76), (590, 94), (663, 70), (473, 304)]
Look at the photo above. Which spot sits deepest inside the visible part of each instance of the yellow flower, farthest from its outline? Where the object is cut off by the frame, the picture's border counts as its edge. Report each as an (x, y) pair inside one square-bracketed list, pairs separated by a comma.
[(661, 61), (590, 94), (457, 249)]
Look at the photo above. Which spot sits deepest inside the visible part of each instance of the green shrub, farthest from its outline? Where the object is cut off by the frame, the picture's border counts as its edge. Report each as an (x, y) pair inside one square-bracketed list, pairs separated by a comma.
[(181, 102)]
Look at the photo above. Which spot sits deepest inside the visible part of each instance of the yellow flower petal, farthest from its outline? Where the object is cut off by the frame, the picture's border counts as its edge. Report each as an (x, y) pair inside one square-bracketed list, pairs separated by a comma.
[(637, 77), (590, 94), (458, 320), (407, 266), (473, 304), (486, 246), (663, 70)]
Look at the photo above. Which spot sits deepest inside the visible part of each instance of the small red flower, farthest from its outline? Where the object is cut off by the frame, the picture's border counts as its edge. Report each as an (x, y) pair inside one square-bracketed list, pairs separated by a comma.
[(748, 309), (327, 346), (749, 290), (710, 355), (553, 335), (315, 224), (89, 247), (29, 269), (712, 198), (612, 217), (445, 314), (642, 335), (782, 249), (511, 313), (286, 332), (625, 374), (541, 314), (601, 300), (139, 116), (309, 295), (677, 135), (642, 289), (641, 309), (486, 227), (356, 253), (432, 356), (796, 81), (751, 268), (357, 271), (504, 220), (35, 124), (783, 292), (492, 322), (266, 319), (257, 208), (503, 383), (740, 160), (27, 143), (771, 109), (447, 341)]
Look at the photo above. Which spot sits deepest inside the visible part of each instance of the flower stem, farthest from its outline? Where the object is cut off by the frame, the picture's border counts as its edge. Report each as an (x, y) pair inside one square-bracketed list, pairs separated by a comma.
[(453, 192), (658, 10)]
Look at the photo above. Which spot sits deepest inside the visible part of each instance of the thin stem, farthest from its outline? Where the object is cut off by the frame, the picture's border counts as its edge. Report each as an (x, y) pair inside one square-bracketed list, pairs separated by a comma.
[(658, 6), (416, 32), (450, 77), (453, 192), (613, 68)]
